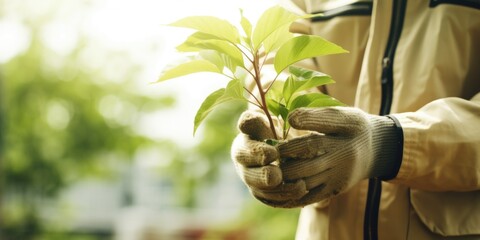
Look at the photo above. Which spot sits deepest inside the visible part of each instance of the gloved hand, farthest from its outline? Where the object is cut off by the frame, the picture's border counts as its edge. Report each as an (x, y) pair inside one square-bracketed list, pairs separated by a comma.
[(256, 162), (346, 145)]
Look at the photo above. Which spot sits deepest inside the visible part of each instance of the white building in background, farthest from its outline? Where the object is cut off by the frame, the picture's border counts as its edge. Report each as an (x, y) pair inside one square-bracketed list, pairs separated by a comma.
[(142, 205)]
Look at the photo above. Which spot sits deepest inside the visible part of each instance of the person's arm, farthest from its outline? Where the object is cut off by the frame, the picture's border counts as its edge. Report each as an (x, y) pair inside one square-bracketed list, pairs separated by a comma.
[(442, 146)]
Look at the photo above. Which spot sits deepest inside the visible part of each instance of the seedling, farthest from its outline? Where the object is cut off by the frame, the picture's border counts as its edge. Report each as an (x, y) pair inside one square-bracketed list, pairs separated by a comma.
[(219, 47)]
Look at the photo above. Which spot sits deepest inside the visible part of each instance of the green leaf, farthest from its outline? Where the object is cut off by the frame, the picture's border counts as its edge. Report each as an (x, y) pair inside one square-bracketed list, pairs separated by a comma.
[(214, 57), (207, 106), (314, 100), (200, 41), (303, 79), (301, 85), (233, 91), (277, 38), (247, 27), (277, 108), (210, 25), (305, 74), (303, 47), (271, 20), (275, 101), (289, 88), (190, 67), (273, 106), (189, 45), (230, 63), (225, 48), (275, 91)]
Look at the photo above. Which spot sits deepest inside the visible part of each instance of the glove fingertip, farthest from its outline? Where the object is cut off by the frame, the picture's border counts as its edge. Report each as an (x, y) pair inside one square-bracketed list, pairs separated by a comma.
[(294, 118), (254, 124), (249, 153)]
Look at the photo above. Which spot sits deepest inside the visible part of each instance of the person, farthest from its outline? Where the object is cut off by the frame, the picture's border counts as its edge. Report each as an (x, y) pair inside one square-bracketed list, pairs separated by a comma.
[(402, 161)]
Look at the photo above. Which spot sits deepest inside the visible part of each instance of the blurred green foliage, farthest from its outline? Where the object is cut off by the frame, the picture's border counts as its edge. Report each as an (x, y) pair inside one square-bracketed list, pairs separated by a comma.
[(55, 132), (200, 165), (258, 221), (62, 121)]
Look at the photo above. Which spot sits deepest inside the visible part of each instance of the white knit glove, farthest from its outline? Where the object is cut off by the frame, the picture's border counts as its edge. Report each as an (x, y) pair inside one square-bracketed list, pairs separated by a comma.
[(256, 162), (346, 145)]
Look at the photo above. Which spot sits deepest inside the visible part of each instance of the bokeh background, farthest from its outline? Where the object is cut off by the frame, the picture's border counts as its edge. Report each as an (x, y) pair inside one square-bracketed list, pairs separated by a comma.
[(91, 148)]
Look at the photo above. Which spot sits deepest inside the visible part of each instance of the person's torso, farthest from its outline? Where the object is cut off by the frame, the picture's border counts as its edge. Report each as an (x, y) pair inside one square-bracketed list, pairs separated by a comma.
[(400, 59)]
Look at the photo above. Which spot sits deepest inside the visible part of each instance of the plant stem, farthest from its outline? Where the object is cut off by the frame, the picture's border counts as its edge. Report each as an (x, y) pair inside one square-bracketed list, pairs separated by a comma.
[(258, 103), (263, 105)]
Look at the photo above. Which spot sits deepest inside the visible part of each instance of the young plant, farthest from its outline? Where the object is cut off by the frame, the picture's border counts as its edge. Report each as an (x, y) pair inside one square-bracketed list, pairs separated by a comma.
[(219, 47)]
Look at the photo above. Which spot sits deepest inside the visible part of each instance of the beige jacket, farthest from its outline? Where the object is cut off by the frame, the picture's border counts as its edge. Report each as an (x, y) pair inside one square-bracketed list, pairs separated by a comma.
[(436, 98)]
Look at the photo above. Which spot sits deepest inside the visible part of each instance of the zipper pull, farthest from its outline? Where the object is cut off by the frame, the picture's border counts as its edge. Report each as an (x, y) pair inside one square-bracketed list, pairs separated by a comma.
[(386, 64)]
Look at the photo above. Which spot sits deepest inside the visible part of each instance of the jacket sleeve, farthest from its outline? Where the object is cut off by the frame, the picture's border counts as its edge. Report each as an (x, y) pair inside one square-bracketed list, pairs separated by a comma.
[(442, 146)]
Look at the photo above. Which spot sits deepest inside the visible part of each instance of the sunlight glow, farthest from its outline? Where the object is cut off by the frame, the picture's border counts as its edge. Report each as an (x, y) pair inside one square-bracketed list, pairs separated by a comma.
[(14, 39), (138, 28)]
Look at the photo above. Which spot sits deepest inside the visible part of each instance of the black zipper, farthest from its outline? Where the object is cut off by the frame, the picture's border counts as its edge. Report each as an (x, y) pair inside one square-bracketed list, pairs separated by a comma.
[(370, 227), (363, 8), (465, 3)]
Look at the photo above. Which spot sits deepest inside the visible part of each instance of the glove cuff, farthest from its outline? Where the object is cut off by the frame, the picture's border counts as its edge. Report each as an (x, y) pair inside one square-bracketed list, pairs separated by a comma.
[(388, 147)]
